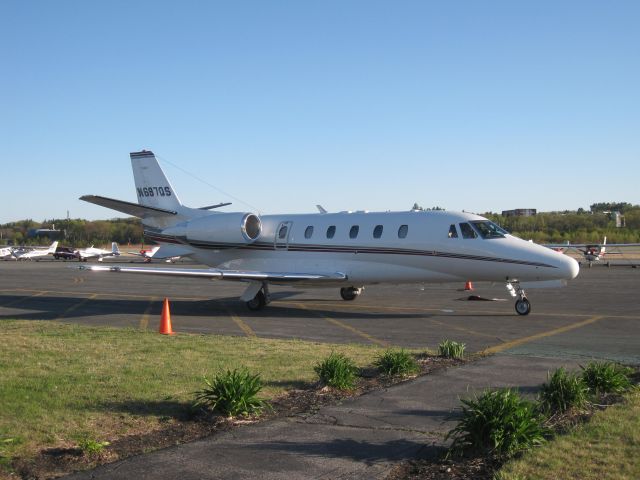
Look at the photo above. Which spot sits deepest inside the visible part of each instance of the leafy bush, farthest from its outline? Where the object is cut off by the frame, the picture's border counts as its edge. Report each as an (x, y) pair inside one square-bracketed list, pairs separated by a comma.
[(563, 391), (396, 362), (498, 422), (337, 371), (450, 349), (232, 393), (606, 377), (91, 447)]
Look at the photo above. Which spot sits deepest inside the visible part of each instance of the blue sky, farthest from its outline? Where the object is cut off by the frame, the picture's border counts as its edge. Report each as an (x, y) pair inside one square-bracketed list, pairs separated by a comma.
[(480, 106)]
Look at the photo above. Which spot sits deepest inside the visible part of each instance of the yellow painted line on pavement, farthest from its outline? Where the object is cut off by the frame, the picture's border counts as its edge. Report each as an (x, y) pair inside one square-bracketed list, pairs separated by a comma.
[(506, 313), (238, 321), (23, 299), (462, 329), (144, 320), (98, 294), (76, 306), (348, 327), (520, 341)]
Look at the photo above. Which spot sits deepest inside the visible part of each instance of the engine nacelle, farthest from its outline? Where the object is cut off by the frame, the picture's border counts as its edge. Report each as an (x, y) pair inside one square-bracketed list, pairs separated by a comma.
[(219, 228)]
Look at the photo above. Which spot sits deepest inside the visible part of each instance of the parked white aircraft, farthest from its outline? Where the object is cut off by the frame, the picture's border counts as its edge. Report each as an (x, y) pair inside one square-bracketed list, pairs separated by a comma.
[(348, 249), (592, 252), (92, 252), (35, 253)]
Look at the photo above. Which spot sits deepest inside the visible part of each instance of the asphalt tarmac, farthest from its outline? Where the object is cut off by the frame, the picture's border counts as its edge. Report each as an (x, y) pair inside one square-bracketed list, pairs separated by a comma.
[(596, 315)]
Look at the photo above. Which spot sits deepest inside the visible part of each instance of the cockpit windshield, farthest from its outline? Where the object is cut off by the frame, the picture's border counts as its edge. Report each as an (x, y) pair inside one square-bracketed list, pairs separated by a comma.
[(488, 229)]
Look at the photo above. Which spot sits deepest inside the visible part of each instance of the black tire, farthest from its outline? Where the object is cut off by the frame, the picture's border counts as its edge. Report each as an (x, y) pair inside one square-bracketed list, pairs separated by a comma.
[(258, 302), (523, 307), (349, 293)]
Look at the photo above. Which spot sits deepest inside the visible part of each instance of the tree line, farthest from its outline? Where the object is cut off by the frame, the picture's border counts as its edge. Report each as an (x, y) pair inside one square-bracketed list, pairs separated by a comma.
[(75, 232), (579, 226)]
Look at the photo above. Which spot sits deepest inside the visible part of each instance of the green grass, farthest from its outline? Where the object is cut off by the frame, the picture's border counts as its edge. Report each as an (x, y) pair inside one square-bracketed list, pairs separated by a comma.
[(606, 377), (396, 362), (499, 423), (337, 371), (232, 393), (451, 349), (563, 390), (60, 383), (605, 448)]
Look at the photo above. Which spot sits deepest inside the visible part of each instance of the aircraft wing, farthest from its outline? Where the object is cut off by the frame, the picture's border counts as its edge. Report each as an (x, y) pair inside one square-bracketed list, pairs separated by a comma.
[(585, 245), (220, 274)]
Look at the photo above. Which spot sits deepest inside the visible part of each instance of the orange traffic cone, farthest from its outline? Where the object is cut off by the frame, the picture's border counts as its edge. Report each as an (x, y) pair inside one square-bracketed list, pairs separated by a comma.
[(468, 286), (165, 319)]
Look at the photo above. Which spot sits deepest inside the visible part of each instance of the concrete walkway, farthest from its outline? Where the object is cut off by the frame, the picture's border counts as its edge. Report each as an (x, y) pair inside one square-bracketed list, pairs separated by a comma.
[(363, 437)]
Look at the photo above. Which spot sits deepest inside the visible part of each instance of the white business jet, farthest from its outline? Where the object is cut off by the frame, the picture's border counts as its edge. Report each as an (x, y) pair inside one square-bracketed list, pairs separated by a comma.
[(36, 253), (85, 254), (347, 250)]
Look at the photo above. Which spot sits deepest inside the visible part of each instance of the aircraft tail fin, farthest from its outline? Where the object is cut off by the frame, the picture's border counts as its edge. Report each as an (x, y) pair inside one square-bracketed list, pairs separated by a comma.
[(114, 249), (53, 247), (153, 188), (604, 246)]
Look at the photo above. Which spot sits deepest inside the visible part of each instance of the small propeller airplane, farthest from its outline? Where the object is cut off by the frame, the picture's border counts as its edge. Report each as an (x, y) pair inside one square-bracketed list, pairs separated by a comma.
[(85, 254), (148, 255), (348, 250), (35, 253), (591, 252)]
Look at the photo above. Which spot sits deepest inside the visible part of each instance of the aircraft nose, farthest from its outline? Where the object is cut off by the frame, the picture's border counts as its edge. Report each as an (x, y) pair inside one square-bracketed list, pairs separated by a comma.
[(569, 268)]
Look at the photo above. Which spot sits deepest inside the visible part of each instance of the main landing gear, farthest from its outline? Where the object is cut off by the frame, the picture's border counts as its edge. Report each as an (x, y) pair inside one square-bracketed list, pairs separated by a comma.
[(523, 306), (256, 296), (350, 293)]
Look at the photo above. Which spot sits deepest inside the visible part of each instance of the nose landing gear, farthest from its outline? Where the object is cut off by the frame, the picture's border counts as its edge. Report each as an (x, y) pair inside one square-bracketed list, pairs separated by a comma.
[(350, 293), (523, 306)]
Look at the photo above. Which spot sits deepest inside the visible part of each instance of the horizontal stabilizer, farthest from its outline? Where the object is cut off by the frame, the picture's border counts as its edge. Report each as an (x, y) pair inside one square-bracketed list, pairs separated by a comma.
[(129, 208)]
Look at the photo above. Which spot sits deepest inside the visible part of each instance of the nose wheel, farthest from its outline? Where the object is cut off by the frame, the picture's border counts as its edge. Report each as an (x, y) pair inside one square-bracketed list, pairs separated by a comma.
[(523, 306), (350, 293)]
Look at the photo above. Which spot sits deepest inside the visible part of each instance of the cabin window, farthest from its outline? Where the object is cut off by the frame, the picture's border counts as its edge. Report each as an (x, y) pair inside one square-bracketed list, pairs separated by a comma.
[(488, 229), (308, 232), (282, 233), (467, 231), (331, 231), (353, 233), (453, 233), (377, 232), (402, 231)]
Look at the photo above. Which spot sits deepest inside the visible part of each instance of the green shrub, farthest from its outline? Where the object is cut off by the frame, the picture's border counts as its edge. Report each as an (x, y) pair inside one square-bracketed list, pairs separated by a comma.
[(564, 390), (91, 447), (396, 362), (498, 422), (232, 393), (450, 349), (337, 371), (606, 377)]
